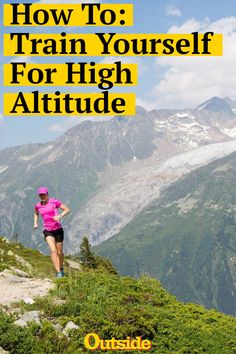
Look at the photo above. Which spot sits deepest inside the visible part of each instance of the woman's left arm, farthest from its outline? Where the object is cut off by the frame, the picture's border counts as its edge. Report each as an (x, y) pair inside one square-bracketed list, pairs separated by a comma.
[(66, 211)]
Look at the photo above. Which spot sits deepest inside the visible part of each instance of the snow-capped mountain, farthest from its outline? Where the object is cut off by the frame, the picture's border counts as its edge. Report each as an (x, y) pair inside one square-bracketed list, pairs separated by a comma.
[(216, 105)]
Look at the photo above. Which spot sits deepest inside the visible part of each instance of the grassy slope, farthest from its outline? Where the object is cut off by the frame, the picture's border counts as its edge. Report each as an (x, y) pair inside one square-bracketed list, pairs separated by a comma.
[(41, 264), (115, 306)]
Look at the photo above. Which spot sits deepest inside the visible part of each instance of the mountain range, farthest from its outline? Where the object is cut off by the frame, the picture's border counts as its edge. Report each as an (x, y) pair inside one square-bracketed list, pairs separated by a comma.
[(107, 172)]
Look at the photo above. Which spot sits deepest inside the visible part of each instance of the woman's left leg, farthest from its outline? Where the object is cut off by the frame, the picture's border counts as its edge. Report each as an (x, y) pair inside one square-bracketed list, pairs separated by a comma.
[(59, 247)]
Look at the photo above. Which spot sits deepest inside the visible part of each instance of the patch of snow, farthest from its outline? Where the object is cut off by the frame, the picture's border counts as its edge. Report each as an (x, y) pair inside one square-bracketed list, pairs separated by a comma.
[(185, 115), (201, 155), (230, 132), (194, 144), (25, 158), (3, 168), (31, 157), (52, 157), (202, 106), (222, 168)]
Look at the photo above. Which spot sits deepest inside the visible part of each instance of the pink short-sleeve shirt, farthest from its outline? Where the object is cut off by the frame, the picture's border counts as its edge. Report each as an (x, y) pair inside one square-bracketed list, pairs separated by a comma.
[(48, 211)]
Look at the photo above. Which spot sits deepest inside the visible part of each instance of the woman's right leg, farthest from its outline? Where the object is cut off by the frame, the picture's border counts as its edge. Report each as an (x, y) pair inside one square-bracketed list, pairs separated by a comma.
[(54, 256)]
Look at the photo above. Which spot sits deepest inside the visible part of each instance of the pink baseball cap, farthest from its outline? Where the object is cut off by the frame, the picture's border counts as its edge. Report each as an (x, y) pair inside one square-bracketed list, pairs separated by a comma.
[(42, 190)]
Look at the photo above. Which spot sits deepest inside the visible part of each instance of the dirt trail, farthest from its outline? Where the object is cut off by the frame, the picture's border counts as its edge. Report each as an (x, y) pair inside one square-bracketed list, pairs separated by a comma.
[(19, 287)]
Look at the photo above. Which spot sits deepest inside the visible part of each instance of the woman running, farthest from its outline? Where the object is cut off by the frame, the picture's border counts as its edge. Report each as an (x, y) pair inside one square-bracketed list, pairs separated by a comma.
[(52, 228)]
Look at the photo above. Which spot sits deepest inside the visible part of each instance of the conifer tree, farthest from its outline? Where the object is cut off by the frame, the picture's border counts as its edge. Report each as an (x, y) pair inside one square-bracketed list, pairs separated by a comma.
[(86, 255)]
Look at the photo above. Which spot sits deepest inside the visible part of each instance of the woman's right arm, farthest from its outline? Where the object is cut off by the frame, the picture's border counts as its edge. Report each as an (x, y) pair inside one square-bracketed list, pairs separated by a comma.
[(36, 218)]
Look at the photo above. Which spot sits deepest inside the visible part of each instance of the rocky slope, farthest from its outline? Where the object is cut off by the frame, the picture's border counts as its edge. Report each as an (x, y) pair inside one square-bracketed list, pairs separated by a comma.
[(186, 238)]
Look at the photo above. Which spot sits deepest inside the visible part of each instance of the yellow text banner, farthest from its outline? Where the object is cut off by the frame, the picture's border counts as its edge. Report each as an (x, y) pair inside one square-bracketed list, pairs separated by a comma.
[(105, 76), (61, 104), (87, 14), (112, 44)]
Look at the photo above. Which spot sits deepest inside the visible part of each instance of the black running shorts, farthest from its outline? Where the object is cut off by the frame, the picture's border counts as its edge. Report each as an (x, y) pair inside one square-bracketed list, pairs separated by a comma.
[(57, 234)]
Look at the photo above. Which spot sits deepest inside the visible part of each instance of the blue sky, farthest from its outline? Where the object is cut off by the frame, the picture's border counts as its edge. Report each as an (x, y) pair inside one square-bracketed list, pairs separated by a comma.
[(165, 82)]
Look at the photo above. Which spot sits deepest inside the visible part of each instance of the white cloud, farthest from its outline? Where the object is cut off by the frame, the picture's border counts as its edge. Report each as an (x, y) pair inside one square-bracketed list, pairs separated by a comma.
[(148, 105), (172, 10), (189, 81), (24, 59), (56, 128), (126, 60), (63, 126)]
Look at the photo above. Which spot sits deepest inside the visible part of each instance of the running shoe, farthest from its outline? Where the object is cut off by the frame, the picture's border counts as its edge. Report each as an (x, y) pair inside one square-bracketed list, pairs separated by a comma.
[(60, 274)]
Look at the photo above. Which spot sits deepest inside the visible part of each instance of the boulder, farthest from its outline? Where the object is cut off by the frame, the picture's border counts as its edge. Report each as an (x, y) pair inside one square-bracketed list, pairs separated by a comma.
[(70, 325), (28, 317), (10, 253), (19, 272)]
